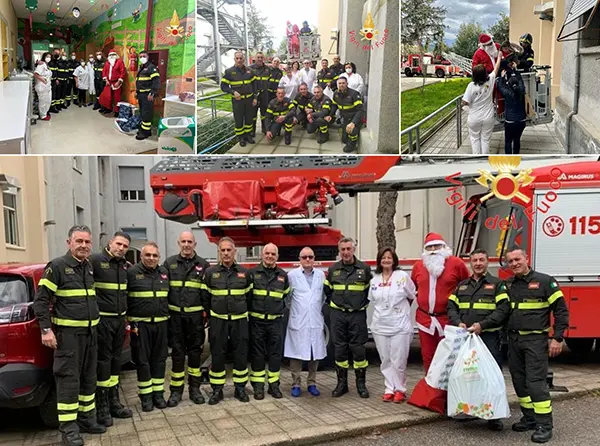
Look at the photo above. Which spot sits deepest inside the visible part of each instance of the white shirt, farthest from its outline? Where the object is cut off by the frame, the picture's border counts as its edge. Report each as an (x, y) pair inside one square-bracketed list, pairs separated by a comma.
[(391, 304), (83, 77), (290, 85), (309, 77), (355, 81), (45, 72), (479, 97)]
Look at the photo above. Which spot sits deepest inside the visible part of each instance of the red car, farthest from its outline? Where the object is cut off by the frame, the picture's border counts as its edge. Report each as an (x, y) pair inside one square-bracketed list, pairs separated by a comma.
[(26, 378)]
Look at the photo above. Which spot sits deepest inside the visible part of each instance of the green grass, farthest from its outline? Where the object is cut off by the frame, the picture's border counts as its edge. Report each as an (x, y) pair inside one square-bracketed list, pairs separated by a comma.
[(223, 103)]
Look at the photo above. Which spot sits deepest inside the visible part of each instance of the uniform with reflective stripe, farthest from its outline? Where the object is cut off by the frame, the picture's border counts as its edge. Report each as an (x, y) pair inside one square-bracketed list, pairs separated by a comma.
[(147, 292), (326, 76), (110, 275), (276, 75), (350, 105), (347, 286), (185, 281)]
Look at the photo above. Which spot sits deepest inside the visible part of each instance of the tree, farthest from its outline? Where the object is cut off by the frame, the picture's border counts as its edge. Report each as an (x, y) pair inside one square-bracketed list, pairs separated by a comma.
[(258, 33), (282, 47), (499, 30), (386, 211), (467, 39)]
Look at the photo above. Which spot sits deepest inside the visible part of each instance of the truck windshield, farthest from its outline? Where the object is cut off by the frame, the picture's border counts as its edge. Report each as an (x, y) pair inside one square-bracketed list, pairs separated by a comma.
[(13, 290), (516, 235)]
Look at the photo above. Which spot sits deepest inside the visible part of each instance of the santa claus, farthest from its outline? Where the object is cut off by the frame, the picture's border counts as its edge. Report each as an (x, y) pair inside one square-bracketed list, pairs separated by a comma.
[(435, 277), (113, 74), (487, 53)]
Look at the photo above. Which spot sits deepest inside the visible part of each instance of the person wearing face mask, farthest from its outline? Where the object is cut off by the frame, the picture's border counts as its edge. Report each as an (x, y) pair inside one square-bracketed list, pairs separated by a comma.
[(147, 84), (318, 115), (89, 66), (113, 75), (72, 93), (43, 86), (64, 70), (54, 66), (99, 63), (510, 85), (355, 80), (82, 80)]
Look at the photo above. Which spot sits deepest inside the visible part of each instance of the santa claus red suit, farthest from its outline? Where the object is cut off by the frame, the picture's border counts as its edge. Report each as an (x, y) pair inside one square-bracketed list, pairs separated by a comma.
[(114, 74), (487, 53), (435, 277)]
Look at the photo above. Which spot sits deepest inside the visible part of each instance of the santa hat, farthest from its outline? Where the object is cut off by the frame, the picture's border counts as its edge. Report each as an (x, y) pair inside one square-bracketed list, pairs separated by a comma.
[(112, 52), (484, 39), (434, 239)]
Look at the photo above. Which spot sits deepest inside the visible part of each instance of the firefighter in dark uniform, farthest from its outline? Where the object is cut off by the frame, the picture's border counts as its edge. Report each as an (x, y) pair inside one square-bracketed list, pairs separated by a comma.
[(350, 104), (148, 314), (63, 75), (337, 68), (239, 81), (276, 75), (67, 286), (326, 77), (480, 304), (347, 291), (54, 65), (533, 298), (300, 102), (98, 82), (262, 74), (186, 324), (110, 275), (227, 291), (280, 113), (319, 115), (147, 84), (71, 88), (526, 57), (270, 287)]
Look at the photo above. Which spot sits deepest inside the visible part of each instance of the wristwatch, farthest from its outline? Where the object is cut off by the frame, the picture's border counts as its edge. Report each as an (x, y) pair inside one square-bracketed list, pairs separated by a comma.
[(46, 330), (557, 339)]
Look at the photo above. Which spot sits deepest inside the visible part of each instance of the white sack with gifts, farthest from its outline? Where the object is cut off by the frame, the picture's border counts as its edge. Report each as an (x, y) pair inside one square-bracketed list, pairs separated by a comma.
[(476, 387), (445, 355)]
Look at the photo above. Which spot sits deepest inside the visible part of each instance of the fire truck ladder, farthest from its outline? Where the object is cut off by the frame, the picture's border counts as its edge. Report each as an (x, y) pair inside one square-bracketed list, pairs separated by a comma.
[(469, 233), (465, 64), (244, 223)]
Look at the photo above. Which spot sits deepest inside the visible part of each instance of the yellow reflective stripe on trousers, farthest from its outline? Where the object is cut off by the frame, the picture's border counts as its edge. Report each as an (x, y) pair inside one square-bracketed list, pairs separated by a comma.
[(186, 309), (148, 293), (81, 292), (74, 323), (193, 371), (240, 376), (273, 376), (144, 387), (65, 417), (530, 305), (542, 407), (361, 364), (258, 376), (554, 296), (147, 319), (106, 383), (67, 406), (342, 364), (217, 378), (86, 398), (114, 380), (110, 286), (526, 403), (87, 408), (48, 284), (233, 317)]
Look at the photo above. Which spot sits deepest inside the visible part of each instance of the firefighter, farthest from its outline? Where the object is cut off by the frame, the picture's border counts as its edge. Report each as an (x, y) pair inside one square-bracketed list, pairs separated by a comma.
[(318, 115), (72, 91), (350, 104), (526, 57), (110, 276), (227, 291), (280, 113), (300, 102), (533, 298), (148, 314), (186, 324), (347, 291), (337, 67), (54, 65), (147, 84), (98, 82), (262, 75), (276, 75), (480, 304), (270, 288), (67, 286), (239, 81), (326, 77), (63, 75)]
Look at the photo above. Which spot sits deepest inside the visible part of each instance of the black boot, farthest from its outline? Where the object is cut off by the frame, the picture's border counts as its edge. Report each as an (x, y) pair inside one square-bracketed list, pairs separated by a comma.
[(175, 397), (348, 148), (542, 434), (158, 400), (361, 382), (495, 425), (324, 137), (217, 395), (196, 395), (70, 434), (274, 390), (88, 423), (259, 391), (102, 409), (240, 393), (147, 404), (342, 382), (117, 410), (263, 129), (250, 139), (243, 141), (288, 138)]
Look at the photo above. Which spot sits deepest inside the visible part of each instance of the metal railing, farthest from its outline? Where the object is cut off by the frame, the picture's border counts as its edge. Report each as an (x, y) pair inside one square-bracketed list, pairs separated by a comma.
[(215, 124)]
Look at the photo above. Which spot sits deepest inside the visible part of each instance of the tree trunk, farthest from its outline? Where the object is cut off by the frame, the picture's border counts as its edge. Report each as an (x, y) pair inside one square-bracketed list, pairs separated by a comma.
[(386, 228)]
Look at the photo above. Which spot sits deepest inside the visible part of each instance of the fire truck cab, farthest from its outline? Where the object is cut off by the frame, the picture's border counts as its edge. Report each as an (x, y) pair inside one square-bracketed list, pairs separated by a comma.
[(432, 66)]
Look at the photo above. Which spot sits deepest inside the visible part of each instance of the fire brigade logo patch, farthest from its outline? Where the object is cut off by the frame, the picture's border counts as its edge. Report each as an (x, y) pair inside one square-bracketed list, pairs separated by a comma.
[(257, 275), (69, 271), (534, 286), (462, 287), (139, 276), (241, 275), (216, 275), (281, 279), (337, 273), (104, 265), (488, 287), (173, 266)]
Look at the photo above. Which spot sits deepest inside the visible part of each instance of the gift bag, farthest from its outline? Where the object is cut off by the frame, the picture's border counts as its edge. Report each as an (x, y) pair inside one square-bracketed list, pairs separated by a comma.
[(445, 355), (426, 397), (476, 387), (105, 98)]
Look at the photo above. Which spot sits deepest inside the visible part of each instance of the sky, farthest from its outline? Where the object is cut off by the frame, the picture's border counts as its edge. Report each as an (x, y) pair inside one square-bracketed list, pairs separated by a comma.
[(484, 12)]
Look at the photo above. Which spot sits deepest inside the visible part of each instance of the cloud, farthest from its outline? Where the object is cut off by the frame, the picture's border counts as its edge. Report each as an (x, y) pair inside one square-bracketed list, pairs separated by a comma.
[(466, 11)]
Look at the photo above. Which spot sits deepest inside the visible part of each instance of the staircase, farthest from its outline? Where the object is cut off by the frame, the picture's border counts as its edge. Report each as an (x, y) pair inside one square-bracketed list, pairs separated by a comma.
[(226, 29), (208, 59), (465, 64)]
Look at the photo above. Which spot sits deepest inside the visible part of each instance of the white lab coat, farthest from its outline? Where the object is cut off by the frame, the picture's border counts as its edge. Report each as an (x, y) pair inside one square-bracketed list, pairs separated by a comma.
[(90, 69), (308, 78), (306, 325), (44, 90), (83, 77), (290, 85), (355, 81)]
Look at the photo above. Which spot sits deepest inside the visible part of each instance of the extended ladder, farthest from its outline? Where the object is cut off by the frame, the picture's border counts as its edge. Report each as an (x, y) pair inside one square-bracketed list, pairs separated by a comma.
[(465, 64)]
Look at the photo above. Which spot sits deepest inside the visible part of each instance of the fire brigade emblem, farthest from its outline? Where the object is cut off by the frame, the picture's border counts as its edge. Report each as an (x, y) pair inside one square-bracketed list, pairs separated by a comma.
[(505, 185), (369, 32)]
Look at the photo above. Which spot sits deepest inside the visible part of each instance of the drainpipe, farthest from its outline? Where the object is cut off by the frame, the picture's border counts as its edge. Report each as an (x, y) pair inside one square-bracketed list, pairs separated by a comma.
[(575, 110), (148, 25)]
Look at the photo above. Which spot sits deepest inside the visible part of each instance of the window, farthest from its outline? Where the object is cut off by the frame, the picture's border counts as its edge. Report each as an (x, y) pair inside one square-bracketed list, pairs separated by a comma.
[(79, 215), (587, 29), (131, 184), (11, 216), (136, 233), (102, 174), (591, 34), (133, 256)]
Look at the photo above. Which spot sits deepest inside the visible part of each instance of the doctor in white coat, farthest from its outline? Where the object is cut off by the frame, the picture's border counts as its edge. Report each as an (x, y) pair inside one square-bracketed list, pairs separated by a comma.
[(305, 336), (391, 294)]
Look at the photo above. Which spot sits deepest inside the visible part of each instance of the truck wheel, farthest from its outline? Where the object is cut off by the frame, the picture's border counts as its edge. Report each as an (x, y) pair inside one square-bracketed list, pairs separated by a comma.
[(408, 72), (580, 346), (47, 409), (440, 73)]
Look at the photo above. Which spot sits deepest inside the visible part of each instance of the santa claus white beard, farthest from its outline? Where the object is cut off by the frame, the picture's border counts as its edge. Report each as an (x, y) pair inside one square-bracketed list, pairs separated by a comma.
[(434, 261), (111, 61), (491, 50)]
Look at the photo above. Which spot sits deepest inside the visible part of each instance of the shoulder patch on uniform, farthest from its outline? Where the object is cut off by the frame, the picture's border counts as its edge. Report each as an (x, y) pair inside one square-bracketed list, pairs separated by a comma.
[(489, 287), (163, 276), (199, 268), (104, 265), (48, 271), (463, 287), (216, 275), (553, 285), (534, 285), (337, 273), (241, 275), (281, 278), (69, 271)]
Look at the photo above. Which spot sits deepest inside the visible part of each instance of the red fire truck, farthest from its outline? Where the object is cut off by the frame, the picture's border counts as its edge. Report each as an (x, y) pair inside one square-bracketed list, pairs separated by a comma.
[(431, 66), (555, 217)]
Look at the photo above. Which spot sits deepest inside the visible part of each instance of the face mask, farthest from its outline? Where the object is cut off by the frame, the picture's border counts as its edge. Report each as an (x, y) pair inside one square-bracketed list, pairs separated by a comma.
[(48, 59), (348, 70), (83, 64), (64, 58), (73, 57), (56, 56), (91, 59), (99, 57), (143, 60)]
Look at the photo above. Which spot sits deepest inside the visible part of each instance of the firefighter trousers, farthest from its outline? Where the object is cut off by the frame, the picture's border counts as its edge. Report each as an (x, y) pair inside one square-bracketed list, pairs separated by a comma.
[(266, 344), (111, 336), (243, 115), (228, 336), (186, 333), (72, 90), (275, 127), (350, 334), (352, 138), (149, 348), (318, 125), (262, 105), (493, 342), (75, 375), (145, 113), (64, 85), (528, 366), (55, 102)]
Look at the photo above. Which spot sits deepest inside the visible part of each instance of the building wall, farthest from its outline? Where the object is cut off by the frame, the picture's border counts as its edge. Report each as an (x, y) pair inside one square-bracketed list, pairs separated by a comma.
[(328, 20), (7, 14), (31, 209)]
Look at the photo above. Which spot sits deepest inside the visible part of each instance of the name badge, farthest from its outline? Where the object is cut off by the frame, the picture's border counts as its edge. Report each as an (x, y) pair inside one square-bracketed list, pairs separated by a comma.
[(489, 287), (462, 287), (241, 275), (534, 285), (281, 279)]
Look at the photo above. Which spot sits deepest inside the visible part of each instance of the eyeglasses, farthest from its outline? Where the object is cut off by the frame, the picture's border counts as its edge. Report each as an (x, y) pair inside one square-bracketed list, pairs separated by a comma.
[(153, 256), (307, 257)]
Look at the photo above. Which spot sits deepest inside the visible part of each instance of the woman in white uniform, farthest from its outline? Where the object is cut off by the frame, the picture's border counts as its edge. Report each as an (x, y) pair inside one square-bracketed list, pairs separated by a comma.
[(43, 86), (355, 80), (290, 82), (391, 294)]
